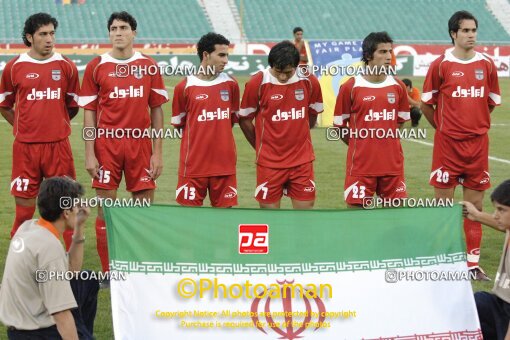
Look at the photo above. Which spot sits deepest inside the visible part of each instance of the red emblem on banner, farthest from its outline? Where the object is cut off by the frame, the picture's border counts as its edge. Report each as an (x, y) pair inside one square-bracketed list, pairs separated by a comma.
[(286, 296), (253, 239)]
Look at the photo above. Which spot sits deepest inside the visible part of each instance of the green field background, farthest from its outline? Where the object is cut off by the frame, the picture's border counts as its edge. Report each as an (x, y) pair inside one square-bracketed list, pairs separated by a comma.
[(329, 173)]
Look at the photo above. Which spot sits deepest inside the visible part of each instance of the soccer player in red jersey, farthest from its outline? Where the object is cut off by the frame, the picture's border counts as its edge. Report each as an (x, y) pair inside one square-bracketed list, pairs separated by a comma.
[(300, 45), (38, 97), (285, 105), (120, 94), (374, 101), (205, 106), (460, 91)]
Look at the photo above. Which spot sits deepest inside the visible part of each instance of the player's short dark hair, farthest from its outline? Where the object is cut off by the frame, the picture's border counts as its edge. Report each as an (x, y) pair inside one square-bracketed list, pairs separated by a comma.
[(282, 55), (408, 82), (501, 194), (51, 192), (456, 18), (297, 29), (36, 21), (122, 16), (370, 43), (207, 42)]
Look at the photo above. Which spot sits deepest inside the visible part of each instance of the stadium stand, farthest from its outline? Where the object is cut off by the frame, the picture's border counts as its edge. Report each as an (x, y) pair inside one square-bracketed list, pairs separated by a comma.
[(262, 20), (405, 20), (158, 20)]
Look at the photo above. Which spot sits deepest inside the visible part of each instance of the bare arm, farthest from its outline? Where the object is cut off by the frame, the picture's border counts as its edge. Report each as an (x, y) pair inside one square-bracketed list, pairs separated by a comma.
[(507, 336), (77, 248), (470, 212), (65, 325), (8, 114), (91, 163), (344, 134), (72, 111), (312, 120), (413, 102), (428, 112), (248, 129)]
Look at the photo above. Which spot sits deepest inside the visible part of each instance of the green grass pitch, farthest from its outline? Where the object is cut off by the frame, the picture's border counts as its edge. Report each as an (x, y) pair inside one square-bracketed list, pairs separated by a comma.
[(329, 172)]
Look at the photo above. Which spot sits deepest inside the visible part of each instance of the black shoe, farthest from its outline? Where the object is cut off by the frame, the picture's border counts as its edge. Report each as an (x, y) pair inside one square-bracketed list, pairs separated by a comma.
[(105, 284), (477, 274)]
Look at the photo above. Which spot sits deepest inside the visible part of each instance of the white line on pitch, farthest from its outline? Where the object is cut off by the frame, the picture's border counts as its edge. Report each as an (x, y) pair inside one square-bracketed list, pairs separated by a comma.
[(496, 159)]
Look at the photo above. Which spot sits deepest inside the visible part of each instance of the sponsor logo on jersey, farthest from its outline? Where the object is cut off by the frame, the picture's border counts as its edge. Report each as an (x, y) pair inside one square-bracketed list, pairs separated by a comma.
[(130, 92), (391, 97), (276, 97), (214, 115), (288, 115), (383, 115), (368, 98), (225, 96), (457, 74), (299, 94), (479, 74), (401, 189), (231, 194), (471, 92), (112, 75), (202, 96), (43, 95), (55, 75), (32, 76)]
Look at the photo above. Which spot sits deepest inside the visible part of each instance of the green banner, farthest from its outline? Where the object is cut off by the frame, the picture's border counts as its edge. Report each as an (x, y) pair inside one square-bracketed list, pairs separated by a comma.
[(157, 233)]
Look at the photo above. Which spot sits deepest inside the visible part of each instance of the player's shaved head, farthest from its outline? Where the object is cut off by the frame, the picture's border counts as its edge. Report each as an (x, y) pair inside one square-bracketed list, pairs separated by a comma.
[(122, 16), (282, 55), (36, 21), (370, 43), (456, 19), (501, 194), (207, 43)]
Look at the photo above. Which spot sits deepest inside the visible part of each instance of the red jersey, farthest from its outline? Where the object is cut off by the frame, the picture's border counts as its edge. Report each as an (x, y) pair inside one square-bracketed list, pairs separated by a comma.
[(363, 107), (120, 97), (41, 90), (462, 91), (281, 114), (207, 111), (302, 51)]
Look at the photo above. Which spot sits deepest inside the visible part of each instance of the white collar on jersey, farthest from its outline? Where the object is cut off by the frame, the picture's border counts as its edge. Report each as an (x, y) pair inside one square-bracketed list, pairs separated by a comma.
[(448, 56), (221, 78), (24, 57), (269, 78), (107, 58), (362, 82)]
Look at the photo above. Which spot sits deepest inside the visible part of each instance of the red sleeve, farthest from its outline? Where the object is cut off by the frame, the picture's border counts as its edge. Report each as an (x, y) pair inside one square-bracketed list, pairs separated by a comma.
[(494, 93), (89, 88), (235, 102), (316, 105), (179, 105), (432, 83), (250, 102), (7, 90), (158, 95), (73, 88), (343, 104), (403, 105)]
